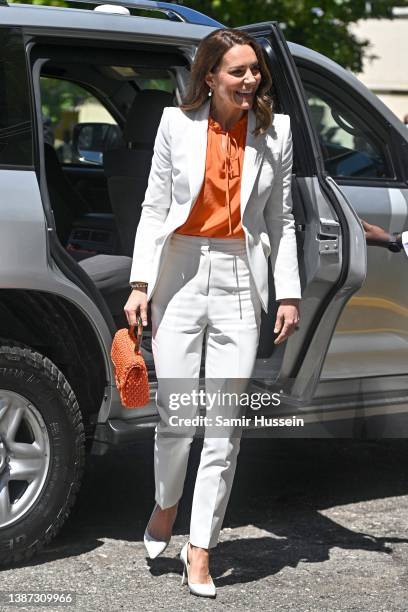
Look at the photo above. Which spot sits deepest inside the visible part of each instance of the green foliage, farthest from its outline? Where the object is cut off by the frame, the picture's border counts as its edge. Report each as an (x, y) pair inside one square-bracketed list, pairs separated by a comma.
[(321, 26), (59, 96)]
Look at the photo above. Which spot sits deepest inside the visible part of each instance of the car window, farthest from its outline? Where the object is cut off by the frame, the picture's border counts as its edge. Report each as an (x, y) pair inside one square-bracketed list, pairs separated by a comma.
[(66, 107), (15, 114), (165, 84), (349, 145)]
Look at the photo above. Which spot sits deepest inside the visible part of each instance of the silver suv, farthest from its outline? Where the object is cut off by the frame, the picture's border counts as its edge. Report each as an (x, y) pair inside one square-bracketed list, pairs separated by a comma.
[(81, 95)]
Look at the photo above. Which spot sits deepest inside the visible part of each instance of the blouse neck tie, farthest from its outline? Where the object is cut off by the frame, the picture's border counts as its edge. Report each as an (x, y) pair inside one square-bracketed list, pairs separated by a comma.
[(230, 164)]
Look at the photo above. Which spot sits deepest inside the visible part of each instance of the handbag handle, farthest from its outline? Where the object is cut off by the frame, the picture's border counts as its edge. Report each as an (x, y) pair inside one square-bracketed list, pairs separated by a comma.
[(137, 339)]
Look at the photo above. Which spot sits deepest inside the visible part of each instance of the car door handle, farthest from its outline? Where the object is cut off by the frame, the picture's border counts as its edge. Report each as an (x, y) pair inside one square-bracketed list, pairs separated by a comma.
[(328, 237)]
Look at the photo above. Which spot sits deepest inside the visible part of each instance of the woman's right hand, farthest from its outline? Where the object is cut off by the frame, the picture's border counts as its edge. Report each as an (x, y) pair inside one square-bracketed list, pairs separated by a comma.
[(136, 305)]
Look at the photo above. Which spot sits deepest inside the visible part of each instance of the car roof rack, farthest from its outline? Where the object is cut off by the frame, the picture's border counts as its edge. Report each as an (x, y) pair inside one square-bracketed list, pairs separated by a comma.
[(174, 12)]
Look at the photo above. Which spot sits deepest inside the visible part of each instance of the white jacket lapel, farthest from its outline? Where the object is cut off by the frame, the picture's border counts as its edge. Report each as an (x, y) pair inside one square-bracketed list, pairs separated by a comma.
[(254, 152), (197, 149)]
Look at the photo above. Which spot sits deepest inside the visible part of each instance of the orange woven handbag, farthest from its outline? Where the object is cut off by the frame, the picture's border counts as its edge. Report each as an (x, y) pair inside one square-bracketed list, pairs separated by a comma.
[(130, 368)]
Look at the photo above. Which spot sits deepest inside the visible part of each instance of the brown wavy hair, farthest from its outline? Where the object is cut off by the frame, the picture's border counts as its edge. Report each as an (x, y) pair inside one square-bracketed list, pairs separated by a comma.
[(208, 58)]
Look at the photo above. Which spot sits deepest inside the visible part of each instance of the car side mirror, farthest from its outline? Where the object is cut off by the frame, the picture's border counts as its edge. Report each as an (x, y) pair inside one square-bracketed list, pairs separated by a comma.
[(91, 140)]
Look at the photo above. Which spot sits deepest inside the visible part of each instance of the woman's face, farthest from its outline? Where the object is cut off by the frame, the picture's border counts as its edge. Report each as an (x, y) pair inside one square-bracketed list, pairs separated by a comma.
[(236, 80)]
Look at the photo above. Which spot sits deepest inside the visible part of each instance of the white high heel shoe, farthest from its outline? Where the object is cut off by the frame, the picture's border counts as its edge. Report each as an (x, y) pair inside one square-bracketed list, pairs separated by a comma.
[(154, 547), (206, 589)]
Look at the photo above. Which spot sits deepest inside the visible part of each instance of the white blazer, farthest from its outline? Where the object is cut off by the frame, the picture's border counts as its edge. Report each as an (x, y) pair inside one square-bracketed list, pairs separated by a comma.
[(175, 180)]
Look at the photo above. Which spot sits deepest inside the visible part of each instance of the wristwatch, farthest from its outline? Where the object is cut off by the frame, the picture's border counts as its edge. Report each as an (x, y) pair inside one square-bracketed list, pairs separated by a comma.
[(138, 285), (395, 246)]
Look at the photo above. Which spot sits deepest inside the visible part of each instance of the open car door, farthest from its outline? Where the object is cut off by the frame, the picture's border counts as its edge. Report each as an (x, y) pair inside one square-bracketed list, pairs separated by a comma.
[(331, 242)]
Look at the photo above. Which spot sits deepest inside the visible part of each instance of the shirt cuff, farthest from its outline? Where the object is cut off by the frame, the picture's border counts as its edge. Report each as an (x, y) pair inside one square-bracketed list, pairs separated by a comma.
[(404, 238)]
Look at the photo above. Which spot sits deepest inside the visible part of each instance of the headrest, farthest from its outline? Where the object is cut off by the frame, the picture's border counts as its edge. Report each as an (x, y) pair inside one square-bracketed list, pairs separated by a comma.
[(144, 116)]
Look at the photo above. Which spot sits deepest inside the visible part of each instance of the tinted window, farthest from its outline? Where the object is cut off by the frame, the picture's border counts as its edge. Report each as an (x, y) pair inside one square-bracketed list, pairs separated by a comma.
[(349, 145), (15, 120), (67, 107)]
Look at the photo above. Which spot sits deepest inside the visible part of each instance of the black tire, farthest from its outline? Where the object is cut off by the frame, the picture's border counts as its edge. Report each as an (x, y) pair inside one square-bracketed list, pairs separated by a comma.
[(27, 373)]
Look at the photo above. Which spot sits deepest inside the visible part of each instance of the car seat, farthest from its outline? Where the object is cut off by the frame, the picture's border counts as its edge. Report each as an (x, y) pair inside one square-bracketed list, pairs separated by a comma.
[(127, 168)]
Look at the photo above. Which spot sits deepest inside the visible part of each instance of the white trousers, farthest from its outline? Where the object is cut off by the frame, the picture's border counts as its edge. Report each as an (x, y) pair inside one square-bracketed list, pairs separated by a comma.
[(205, 294)]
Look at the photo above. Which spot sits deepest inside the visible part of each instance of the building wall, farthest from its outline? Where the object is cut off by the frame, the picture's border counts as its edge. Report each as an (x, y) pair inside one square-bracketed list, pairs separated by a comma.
[(387, 75), (92, 111)]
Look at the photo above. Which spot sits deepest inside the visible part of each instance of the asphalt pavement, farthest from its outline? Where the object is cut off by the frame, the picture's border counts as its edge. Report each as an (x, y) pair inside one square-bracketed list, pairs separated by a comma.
[(312, 526)]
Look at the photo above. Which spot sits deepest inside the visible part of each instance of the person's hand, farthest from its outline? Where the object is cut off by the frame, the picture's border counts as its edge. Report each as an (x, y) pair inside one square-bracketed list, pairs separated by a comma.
[(136, 305), (375, 235), (287, 319)]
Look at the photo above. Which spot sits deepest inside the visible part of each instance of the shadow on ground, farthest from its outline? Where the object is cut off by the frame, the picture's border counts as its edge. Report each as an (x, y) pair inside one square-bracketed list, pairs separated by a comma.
[(280, 486)]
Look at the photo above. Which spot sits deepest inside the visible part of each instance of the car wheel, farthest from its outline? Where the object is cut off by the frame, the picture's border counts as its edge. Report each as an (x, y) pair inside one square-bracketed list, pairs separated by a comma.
[(42, 451)]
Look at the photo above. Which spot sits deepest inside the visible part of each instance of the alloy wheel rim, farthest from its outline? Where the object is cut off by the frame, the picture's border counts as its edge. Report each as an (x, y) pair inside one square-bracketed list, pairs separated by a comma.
[(24, 456)]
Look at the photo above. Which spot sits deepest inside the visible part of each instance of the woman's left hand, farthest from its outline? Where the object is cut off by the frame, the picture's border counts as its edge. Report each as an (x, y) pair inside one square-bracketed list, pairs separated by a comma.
[(287, 319)]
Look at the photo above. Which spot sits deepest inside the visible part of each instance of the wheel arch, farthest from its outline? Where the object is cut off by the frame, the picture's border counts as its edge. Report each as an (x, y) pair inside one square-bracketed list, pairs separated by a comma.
[(59, 330)]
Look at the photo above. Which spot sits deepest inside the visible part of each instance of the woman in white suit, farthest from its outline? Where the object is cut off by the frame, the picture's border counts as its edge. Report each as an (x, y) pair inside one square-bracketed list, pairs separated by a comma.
[(217, 205)]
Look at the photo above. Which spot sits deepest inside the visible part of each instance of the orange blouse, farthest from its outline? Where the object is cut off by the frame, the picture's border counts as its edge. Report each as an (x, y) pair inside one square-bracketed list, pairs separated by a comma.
[(217, 212)]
